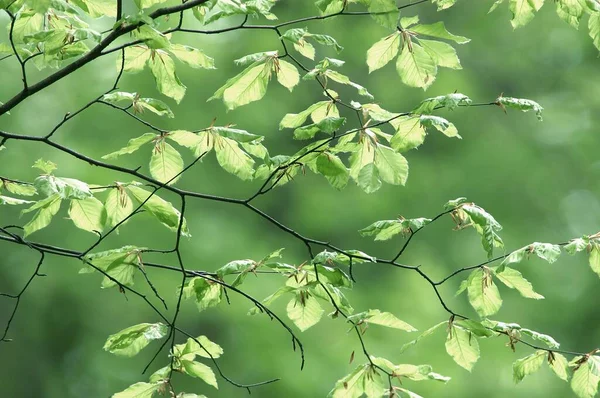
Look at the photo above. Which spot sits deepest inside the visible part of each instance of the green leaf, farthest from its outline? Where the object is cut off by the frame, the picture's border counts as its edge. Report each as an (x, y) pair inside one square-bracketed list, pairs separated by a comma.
[(287, 74), (351, 385), (485, 225), (416, 67), (439, 30), (248, 86), (584, 381), (463, 347), (139, 390), (166, 163), (46, 209), (233, 159), (577, 245), (328, 125), (304, 310), (528, 365), (153, 105), (559, 365), (594, 28), (426, 333), (192, 56), (200, 346), (386, 229), (7, 200), (334, 170), (443, 4), (206, 293), (483, 293), (46, 167), (571, 11), (147, 3), (451, 204), (440, 124), (595, 258), (442, 53), (98, 8), (514, 280), (118, 206), (201, 371), (88, 214), (151, 37), (118, 96), (449, 101), (385, 12), (18, 188), (524, 105), (185, 138), (523, 11), (548, 340), (132, 145), (476, 328), (410, 133), (330, 6), (163, 70), (386, 319), (392, 166), (383, 51), (162, 210), (128, 342), (135, 59)]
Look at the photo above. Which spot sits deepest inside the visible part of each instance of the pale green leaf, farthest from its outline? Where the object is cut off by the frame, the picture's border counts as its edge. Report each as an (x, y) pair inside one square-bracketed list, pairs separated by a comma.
[(206, 293), (383, 51), (133, 145), (442, 53), (233, 159), (166, 163), (528, 365), (594, 28), (163, 70), (409, 133), (162, 210), (128, 342), (514, 280), (523, 11), (192, 56), (118, 206), (483, 293), (463, 347), (521, 104), (88, 214), (201, 371), (139, 390), (287, 74), (584, 382), (559, 365), (416, 67), (304, 310), (135, 58), (46, 209), (439, 31)]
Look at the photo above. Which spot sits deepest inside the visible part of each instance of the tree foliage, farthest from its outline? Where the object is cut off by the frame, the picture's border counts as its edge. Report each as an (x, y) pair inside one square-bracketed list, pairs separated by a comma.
[(60, 37)]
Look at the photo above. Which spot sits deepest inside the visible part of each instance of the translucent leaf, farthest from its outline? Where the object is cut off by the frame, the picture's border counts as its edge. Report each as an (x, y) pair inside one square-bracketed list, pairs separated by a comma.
[(133, 145), (287, 74), (385, 12), (416, 67), (350, 386), (386, 319), (139, 390), (514, 280), (463, 347), (594, 28), (98, 8), (166, 163), (440, 124), (559, 365), (163, 70), (577, 245), (523, 11), (443, 4), (128, 342), (162, 210), (528, 365), (383, 51), (328, 125), (151, 37), (192, 56), (305, 311), (153, 105), (233, 159), (135, 59), (147, 3), (248, 86), (483, 293), (191, 349), (426, 333), (409, 133), (442, 53), (449, 101), (386, 229), (595, 259), (118, 206), (201, 371), (439, 30), (18, 188), (87, 214), (548, 340), (521, 104), (46, 209), (207, 294), (7, 200), (571, 11), (46, 167), (392, 166), (334, 170), (584, 382)]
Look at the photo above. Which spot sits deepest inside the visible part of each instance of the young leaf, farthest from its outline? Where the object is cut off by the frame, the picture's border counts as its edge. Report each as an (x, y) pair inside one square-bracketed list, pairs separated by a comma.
[(304, 310), (483, 293), (118, 206), (287, 74), (514, 280), (524, 105), (351, 385), (559, 365), (439, 31), (248, 86), (595, 258), (206, 293), (426, 333), (386, 319), (416, 67), (201, 371), (594, 28), (585, 381), (528, 365), (133, 145), (18, 188), (88, 214), (233, 159), (135, 59), (166, 163), (383, 51), (164, 211), (46, 209), (463, 347), (410, 133), (128, 342), (523, 11), (334, 170), (139, 390), (163, 70), (192, 56)]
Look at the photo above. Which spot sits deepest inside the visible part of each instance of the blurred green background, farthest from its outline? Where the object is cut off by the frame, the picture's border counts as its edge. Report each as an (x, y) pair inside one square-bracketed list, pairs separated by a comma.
[(540, 181)]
